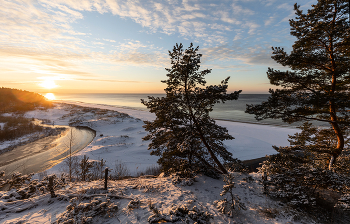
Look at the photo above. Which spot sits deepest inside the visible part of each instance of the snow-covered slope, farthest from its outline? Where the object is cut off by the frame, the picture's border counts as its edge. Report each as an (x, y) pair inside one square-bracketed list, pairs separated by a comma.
[(122, 135), (139, 200), (144, 199)]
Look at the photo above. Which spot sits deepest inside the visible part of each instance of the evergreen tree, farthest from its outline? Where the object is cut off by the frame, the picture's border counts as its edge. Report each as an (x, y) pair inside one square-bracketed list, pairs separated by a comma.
[(317, 87), (183, 134)]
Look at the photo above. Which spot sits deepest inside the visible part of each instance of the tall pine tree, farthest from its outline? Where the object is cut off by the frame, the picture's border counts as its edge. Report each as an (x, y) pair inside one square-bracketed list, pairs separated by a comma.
[(183, 134), (317, 86)]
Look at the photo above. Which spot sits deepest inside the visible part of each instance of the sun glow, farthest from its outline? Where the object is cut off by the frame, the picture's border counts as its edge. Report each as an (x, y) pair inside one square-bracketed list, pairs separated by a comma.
[(48, 84), (50, 96)]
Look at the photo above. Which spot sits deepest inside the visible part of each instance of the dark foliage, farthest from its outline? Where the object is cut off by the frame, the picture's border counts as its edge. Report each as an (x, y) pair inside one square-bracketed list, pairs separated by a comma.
[(317, 87), (85, 167), (317, 90), (231, 201), (17, 126), (20, 101), (182, 214), (183, 134)]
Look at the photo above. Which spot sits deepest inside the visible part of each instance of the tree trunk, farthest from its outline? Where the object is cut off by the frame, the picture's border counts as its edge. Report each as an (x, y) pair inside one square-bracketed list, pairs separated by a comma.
[(221, 167), (198, 129), (332, 106), (333, 115)]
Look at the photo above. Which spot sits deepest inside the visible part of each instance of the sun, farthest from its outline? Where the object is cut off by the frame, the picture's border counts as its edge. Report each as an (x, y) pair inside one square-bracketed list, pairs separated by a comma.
[(48, 84), (50, 96)]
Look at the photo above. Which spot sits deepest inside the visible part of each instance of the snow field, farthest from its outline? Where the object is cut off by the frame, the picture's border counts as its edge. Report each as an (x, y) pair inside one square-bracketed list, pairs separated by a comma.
[(122, 136), (151, 193), (119, 140)]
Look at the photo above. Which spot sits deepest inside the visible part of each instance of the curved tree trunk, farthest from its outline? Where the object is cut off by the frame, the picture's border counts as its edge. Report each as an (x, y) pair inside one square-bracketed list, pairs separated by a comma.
[(198, 129)]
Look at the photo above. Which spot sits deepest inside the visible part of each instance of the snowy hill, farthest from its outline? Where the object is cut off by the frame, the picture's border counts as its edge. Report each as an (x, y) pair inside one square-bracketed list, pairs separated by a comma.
[(147, 199)]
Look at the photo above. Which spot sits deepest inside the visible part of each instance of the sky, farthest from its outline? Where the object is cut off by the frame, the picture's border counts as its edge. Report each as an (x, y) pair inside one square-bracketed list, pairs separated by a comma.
[(121, 46)]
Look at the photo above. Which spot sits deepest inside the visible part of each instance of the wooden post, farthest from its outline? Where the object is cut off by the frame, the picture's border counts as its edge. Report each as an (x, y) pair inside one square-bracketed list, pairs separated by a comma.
[(264, 177), (106, 177), (52, 191)]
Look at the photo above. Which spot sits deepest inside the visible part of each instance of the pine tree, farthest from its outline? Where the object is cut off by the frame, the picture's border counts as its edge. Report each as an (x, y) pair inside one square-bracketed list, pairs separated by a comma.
[(317, 86), (183, 134)]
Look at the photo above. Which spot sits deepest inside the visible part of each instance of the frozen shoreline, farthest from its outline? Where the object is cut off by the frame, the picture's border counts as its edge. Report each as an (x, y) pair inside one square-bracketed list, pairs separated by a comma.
[(121, 140), (121, 137)]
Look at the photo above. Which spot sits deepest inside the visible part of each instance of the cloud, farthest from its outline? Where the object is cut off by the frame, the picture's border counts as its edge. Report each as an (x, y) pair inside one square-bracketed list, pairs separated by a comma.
[(268, 2), (112, 41), (256, 55), (225, 17), (237, 37), (112, 80), (97, 43), (252, 27), (237, 9), (269, 21), (285, 6), (41, 37), (216, 26), (51, 20)]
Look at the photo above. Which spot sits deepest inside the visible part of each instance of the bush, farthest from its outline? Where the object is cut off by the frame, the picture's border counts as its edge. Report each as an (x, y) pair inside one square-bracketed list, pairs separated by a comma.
[(297, 181), (97, 170), (79, 212), (182, 214), (183, 178), (24, 188), (231, 202), (120, 171)]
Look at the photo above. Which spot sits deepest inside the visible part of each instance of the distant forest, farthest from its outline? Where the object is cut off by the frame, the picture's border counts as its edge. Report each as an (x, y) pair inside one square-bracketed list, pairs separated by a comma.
[(20, 101), (17, 102)]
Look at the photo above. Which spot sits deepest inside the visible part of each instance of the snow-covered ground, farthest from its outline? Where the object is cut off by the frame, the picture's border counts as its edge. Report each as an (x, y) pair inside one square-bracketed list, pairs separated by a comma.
[(140, 199), (119, 141), (122, 136)]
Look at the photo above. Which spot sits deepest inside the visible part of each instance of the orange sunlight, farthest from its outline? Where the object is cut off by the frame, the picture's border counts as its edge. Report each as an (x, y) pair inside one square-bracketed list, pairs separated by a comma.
[(50, 96), (48, 84)]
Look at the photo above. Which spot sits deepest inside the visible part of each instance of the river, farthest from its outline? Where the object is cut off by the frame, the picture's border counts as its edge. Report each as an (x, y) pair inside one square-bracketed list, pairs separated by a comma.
[(44, 153)]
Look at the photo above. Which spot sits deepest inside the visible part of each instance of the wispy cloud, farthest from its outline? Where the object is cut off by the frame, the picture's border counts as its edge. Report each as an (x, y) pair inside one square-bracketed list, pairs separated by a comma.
[(112, 80), (241, 10), (256, 55), (51, 20), (286, 6), (41, 36), (269, 21), (112, 41)]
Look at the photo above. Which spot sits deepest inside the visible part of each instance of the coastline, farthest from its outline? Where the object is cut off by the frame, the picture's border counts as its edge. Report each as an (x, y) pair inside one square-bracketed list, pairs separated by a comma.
[(118, 141), (118, 135), (252, 136), (134, 112)]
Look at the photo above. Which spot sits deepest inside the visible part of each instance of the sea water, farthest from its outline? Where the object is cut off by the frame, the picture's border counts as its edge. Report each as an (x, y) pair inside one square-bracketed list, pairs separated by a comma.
[(233, 110)]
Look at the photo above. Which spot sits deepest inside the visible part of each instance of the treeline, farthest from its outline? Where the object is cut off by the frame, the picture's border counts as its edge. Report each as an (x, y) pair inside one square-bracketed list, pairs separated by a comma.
[(15, 127), (20, 101)]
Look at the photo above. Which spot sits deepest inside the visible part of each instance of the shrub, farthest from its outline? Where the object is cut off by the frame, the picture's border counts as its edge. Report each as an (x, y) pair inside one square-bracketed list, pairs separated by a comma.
[(79, 212), (182, 214), (231, 202), (120, 171)]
